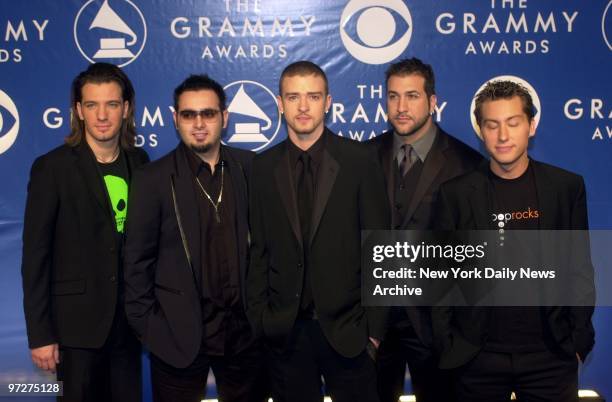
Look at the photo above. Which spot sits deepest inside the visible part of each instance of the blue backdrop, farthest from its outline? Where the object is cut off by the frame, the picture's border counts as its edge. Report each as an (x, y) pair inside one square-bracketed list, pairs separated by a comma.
[(561, 50)]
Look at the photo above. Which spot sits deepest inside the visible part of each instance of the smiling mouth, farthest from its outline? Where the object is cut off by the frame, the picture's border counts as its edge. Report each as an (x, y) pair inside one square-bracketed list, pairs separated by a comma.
[(200, 135)]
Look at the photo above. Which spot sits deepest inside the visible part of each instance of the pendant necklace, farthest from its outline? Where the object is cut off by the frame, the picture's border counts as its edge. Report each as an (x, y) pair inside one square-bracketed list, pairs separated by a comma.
[(215, 205)]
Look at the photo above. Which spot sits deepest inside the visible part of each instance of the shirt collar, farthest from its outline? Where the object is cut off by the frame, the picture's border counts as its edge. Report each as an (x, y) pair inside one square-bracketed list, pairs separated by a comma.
[(196, 164), (315, 151), (422, 146)]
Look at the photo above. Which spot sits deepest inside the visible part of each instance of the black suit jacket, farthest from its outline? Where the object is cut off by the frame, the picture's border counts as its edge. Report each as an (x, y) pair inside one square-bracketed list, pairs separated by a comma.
[(447, 158), (350, 197), (162, 253), (71, 263), (460, 332)]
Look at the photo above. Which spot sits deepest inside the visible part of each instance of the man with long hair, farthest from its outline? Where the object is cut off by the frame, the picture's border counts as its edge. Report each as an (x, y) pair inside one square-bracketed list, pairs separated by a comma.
[(72, 245)]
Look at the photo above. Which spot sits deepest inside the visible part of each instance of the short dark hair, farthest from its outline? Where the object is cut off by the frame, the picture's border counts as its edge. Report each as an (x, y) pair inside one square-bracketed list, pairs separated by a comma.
[(302, 68), (414, 66), (200, 82), (102, 73), (500, 89)]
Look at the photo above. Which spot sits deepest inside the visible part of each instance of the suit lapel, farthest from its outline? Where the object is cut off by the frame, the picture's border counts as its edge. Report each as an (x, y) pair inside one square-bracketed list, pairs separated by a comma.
[(480, 198), (385, 155), (547, 200), (188, 207), (325, 180), (433, 165), (285, 186), (89, 170), (238, 178), (133, 162)]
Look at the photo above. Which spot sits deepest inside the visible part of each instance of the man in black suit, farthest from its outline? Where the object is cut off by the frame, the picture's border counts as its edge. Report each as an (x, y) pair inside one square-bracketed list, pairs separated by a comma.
[(312, 195), (186, 256), (416, 156), (72, 245), (533, 351)]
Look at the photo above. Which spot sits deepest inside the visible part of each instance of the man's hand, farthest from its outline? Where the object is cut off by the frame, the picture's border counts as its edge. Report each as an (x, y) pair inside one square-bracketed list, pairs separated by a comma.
[(46, 357)]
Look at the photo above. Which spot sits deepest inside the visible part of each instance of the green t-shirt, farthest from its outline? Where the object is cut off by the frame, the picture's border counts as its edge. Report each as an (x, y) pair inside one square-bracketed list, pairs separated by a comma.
[(115, 178)]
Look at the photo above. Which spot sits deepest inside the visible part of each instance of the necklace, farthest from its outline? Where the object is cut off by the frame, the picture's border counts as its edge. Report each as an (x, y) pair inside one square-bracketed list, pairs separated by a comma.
[(114, 158), (215, 205)]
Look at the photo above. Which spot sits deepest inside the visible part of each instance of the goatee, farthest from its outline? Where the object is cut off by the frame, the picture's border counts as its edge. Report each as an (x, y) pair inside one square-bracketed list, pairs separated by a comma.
[(201, 149)]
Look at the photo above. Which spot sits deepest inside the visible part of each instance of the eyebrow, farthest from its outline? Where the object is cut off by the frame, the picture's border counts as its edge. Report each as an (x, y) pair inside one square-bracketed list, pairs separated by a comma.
[(108, 101), (497, 121), (307, 93), (411, 91)]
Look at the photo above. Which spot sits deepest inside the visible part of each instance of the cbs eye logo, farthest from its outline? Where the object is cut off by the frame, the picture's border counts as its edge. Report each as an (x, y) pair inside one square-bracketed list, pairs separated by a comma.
[(382, 28), (606, 26), (6, 119)]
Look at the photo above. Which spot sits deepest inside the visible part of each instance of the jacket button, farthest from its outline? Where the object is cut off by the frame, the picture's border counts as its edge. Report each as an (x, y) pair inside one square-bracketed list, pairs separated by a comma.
[(297, 295), (299, 265), (113, 278)]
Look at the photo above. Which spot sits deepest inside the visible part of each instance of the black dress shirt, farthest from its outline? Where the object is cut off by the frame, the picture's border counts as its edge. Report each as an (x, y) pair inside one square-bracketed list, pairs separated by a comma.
[(226, 330)]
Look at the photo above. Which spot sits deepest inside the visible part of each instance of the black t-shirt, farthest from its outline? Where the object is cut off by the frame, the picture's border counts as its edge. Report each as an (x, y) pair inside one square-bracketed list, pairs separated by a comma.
[(516, 201), (515, 204)]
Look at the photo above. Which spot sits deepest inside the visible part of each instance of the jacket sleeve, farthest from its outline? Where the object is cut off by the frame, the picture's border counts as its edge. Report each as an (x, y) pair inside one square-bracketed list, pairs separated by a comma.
[(141, 249), (39, 227), (583, 333), (374, 215), (257, 274), (144, 157)]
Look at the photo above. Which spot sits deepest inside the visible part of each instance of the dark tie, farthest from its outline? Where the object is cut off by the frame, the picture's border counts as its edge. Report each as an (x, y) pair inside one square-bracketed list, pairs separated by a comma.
[(305, 194), (305, 191), (406, 158)]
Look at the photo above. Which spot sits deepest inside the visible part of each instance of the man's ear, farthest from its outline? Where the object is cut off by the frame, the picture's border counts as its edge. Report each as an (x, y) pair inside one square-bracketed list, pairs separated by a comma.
[(532, 128), (79, 111), (225, 116), (433, 101)]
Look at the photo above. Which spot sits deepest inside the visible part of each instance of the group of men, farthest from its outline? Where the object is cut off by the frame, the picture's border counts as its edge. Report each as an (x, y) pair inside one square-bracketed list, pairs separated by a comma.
[(250, 265)]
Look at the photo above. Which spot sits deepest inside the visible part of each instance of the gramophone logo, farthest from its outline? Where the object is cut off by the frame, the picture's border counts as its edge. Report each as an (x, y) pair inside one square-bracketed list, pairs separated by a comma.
[(113, 31), (254, 120), (9, 122)]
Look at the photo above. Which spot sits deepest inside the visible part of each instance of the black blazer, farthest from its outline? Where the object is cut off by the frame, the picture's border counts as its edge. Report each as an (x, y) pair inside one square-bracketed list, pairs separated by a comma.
[(71, 262), (162, 253), (350, 197), (447, 158), (464, 205)]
